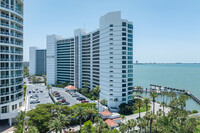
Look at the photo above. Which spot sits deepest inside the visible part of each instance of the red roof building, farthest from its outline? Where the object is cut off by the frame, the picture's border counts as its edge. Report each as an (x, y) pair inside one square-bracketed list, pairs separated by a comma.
[(70, 87), (111, 123)]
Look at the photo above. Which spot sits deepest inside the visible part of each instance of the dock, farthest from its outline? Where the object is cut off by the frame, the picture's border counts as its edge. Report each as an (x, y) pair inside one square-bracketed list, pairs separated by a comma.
[(159, 89)]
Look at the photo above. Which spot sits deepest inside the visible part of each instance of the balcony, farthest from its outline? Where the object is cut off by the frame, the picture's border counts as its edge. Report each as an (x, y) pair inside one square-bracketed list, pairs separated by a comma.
[(12, 26), (11, 92), (11, 100), (11, 8), (11, 84)]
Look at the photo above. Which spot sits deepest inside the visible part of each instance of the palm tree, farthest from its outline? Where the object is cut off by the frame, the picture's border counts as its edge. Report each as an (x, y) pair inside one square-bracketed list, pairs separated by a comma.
[(32, 129), (123, 117), (63, 119), (56, 125), (103, 102), (133, 124), (80, 114), (116, 100), (91, 112), (150, 116), (153, 95), (163, 104), (142, 123), (139, 104), (123, 128), (48, 88), (147, 101)]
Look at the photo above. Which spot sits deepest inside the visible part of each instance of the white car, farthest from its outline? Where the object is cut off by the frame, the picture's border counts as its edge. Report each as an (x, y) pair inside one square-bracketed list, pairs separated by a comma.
[(35, 101)]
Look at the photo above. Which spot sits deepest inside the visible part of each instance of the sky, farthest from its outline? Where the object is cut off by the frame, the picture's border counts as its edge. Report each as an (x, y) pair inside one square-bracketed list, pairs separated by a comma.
[(165, 31)]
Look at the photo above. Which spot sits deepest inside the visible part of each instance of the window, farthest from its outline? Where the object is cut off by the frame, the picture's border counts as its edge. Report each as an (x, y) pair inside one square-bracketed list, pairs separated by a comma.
[(123, 62), (123, 52), (130, 26), (130, 92), (123, 48), (130, 53), (13, 107), (111, 94), (130, 79), (130, 88), (130, 75), (130, 49), (111, 85), (111, 76), (123, 71), (111, 80), (130, 62), (123, 66), (111, 38), (130, 31), (123, 99), (123, 76), (123, 90), (124, 38), (111, 71), (111, 66), (111, 25), (111, 61), (111, 29), (130, 44), (130, 70), (129, 35), (20, 104), (130, 57), (123, 57), (123, 85), (123, 94), (111, 34), (111, 47), (130, 66), (111, 57), (130, 84), (123, 23), (111, 89), (123, 29), (130, 40), (123, 80), (123, 43), (123, 34), (111, 43), (111, 52)]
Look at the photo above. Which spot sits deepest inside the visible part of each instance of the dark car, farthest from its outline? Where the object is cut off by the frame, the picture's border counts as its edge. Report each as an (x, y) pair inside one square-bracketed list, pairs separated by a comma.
[(41, 91), (29, 91), (80, 98), (75, 95), (58, 95), (66, 103), (59, 98)]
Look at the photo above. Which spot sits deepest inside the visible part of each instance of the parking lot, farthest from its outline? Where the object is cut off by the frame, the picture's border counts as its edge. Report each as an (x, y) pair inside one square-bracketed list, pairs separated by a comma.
[(68, 97), (42, 96)]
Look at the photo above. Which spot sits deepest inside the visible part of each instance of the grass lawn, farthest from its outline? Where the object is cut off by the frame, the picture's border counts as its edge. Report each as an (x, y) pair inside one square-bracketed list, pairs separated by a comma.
[(142, 109)]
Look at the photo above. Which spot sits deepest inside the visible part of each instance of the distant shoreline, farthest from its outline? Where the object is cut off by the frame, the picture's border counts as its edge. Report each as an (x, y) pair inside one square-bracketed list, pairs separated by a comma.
[(162, 63)]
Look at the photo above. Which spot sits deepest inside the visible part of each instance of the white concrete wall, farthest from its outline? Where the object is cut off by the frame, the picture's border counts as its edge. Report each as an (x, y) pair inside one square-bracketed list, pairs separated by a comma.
[(51, 58), (32, 60)]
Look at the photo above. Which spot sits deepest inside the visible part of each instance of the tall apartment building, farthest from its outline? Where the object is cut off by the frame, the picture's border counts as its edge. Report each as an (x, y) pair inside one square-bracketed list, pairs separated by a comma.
[(102, 58), (11, 58), (37, 57)]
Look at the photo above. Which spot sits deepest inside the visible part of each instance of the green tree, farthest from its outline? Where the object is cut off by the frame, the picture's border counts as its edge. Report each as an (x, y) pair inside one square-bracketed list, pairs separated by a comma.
[(32, 129), (139, 104), (163, 104), (48, 88), (91, 112), (147, 101), (80, 114), (153, 95), (150, 116), (20, 124), (103, 102), (56, 125), (123, 128), (87, 127)]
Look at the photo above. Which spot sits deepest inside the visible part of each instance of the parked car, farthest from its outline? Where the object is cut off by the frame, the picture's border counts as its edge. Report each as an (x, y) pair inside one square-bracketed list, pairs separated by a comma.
[(80, 98), (54, 92), (33, 91), (35, 101), (29, 91), (41, 91), (62, 101), (66, 103), (75, 95), (84, 101), (59, 98), (58, 95)]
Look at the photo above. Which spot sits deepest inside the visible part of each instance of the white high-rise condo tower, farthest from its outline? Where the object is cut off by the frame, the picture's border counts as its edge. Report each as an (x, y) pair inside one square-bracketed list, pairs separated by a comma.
[(102, 58), (11, 58)]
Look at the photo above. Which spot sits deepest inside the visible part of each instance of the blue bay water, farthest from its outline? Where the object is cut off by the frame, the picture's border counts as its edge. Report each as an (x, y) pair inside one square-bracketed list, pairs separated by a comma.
[(180, 76)]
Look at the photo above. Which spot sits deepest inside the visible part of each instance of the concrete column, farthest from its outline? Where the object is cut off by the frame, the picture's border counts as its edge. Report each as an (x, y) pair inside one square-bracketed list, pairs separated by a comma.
[(10, 121)]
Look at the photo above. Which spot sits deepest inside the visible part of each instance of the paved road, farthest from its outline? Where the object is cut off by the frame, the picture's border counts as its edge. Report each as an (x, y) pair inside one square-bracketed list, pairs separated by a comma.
[(43, 97)]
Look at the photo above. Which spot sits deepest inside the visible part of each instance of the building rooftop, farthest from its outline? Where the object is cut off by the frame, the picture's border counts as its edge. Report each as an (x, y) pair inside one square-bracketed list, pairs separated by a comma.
[(70, 87), (111, 123), (105, 113)]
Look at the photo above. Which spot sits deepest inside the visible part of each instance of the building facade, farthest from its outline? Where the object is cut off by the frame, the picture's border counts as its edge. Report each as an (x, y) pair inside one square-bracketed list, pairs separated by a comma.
[(37, 59), (11, 58), (102, 58)]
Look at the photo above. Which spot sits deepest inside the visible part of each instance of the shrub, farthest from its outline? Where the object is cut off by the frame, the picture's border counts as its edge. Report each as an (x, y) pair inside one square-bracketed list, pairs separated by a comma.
[(195, 111)]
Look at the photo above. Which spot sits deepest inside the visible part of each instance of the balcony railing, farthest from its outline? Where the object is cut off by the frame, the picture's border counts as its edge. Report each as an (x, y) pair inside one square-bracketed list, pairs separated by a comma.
[(11, 100), (11, 8), (11, 92), (11, 84), (12, 26)]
